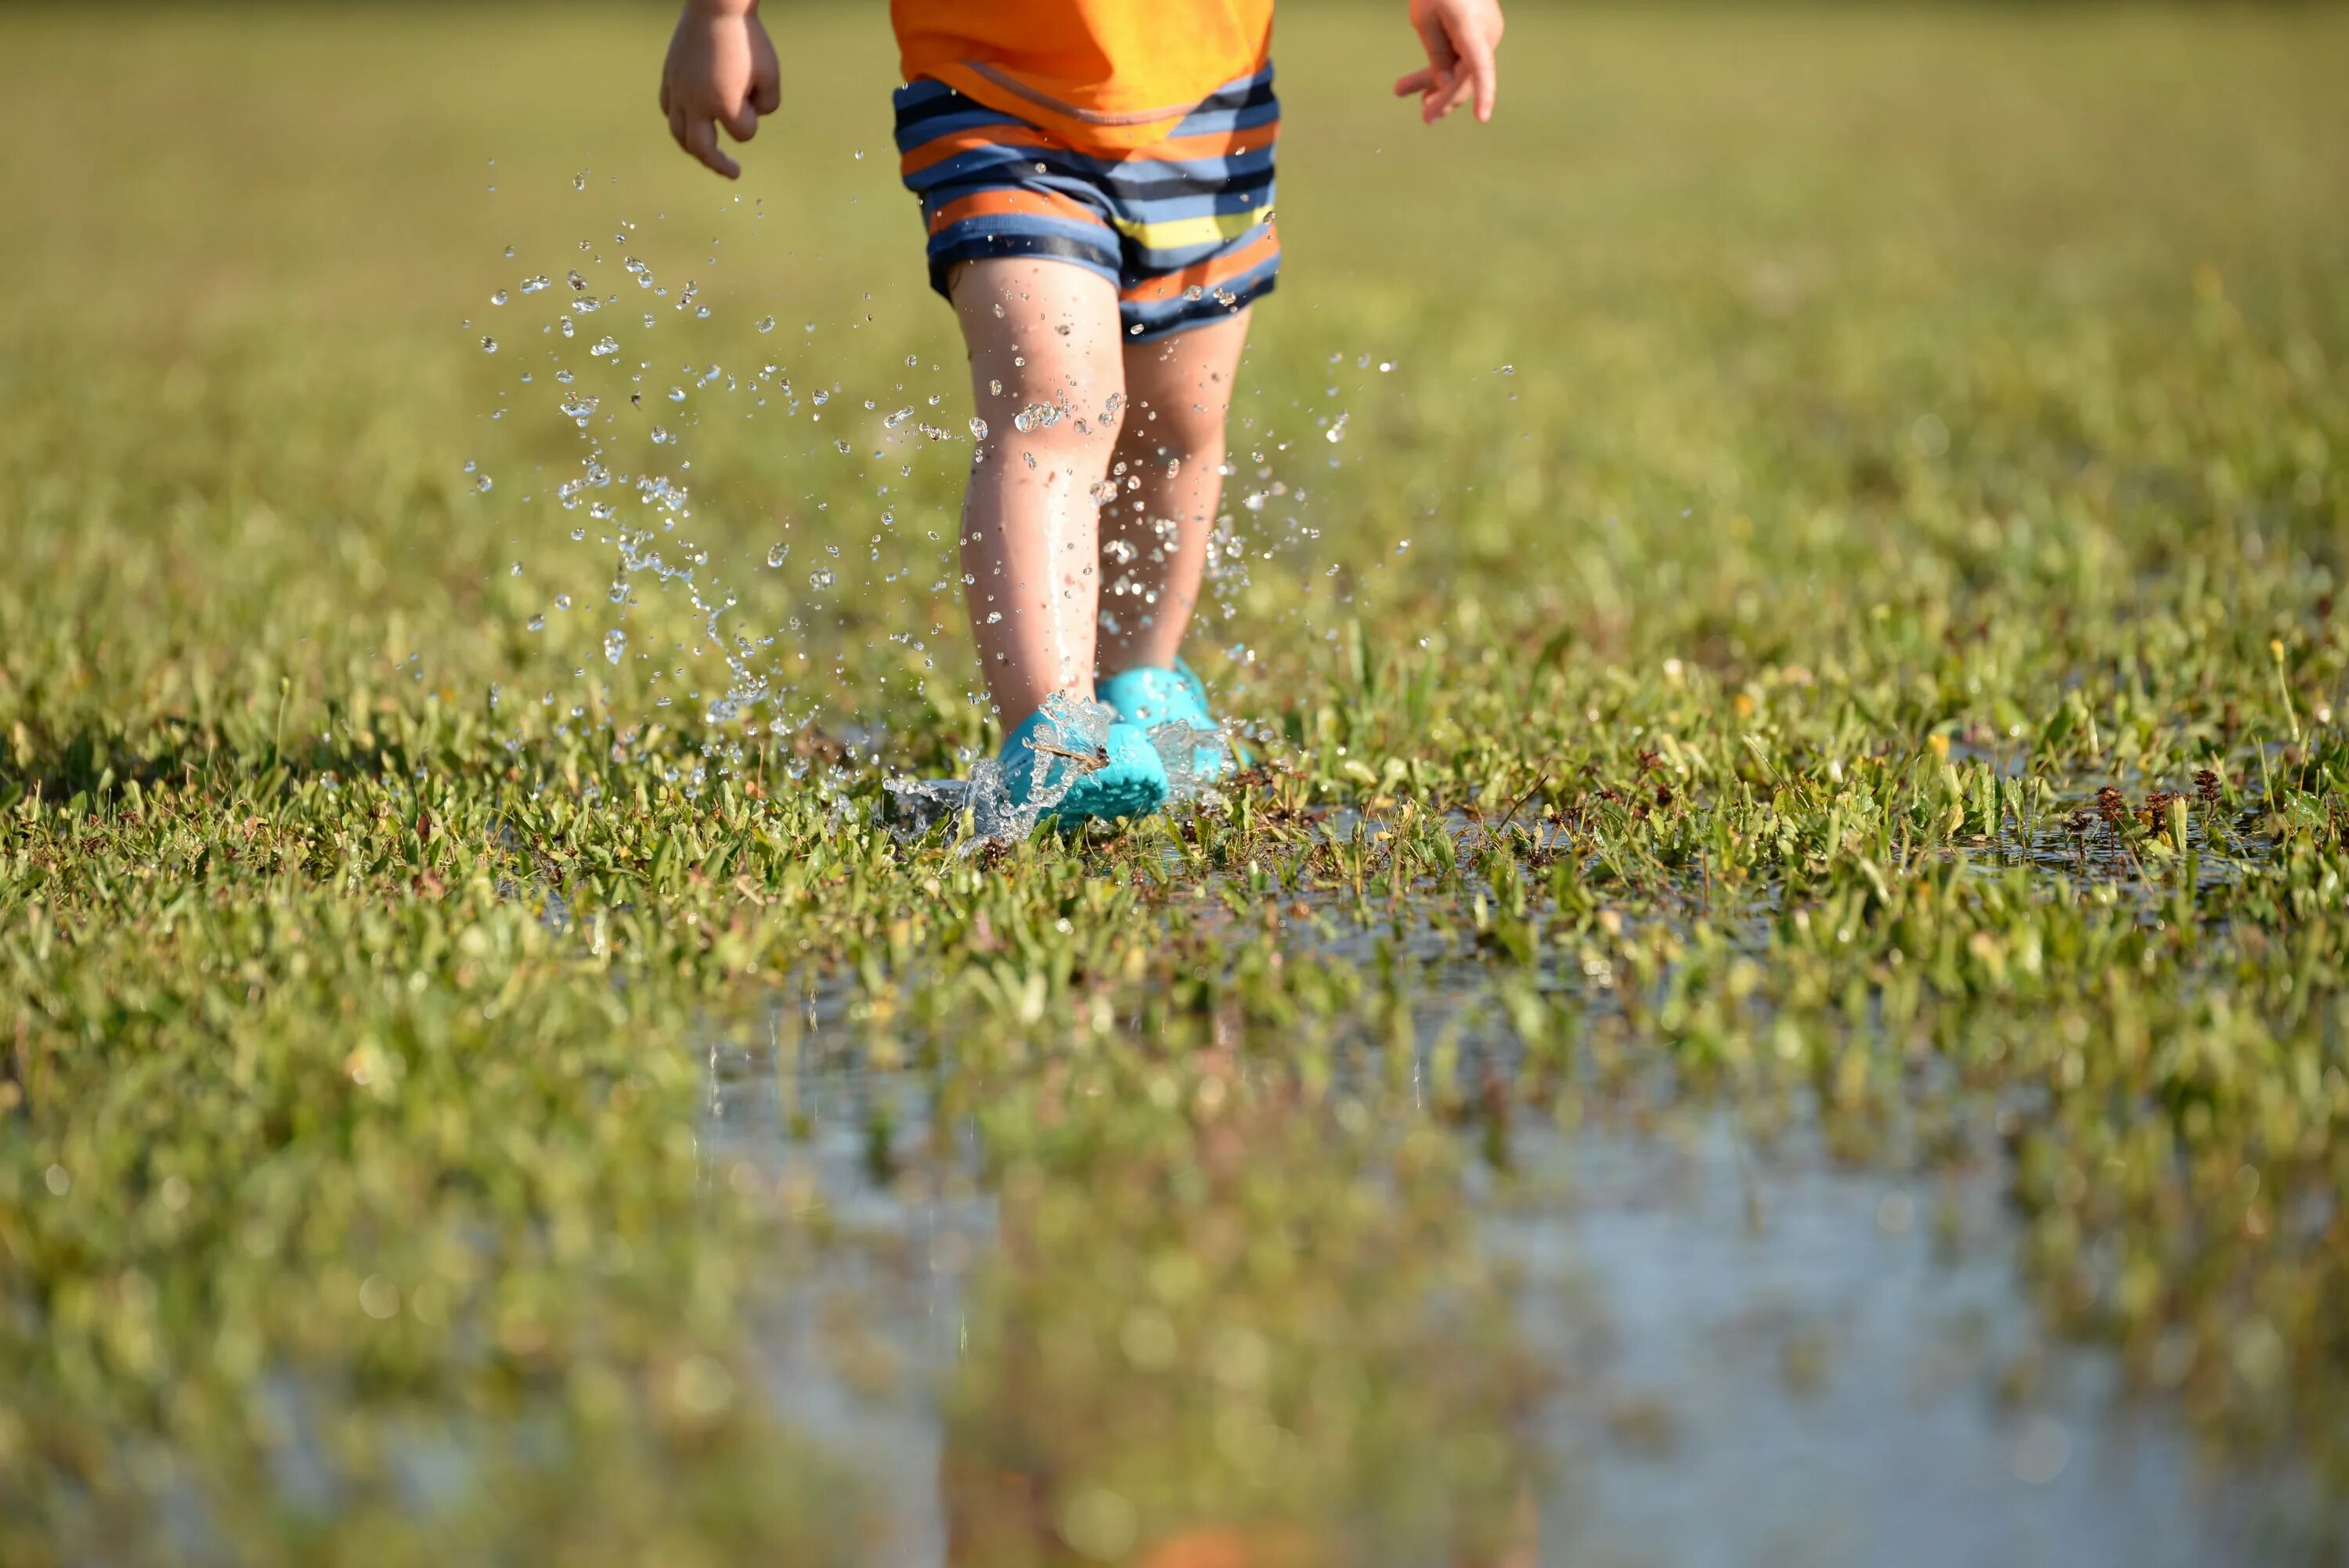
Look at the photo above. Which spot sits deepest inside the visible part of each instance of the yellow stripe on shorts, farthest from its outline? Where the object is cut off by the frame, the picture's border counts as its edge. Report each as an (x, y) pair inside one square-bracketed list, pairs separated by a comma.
[(1181, 234)]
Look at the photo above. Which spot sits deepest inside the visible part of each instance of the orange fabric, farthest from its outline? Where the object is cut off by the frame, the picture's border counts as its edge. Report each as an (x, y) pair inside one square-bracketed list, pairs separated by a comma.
[(1110, 75), (1214, 144), (1012, 199), (940, 149), (1208, 273)]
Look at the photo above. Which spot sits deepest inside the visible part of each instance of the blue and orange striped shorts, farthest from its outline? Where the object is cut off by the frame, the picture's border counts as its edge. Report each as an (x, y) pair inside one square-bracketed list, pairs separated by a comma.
[(1184, 228)]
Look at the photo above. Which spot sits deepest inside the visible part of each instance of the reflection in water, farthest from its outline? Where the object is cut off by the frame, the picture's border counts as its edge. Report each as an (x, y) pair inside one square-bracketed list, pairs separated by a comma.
[(1184, 1307)]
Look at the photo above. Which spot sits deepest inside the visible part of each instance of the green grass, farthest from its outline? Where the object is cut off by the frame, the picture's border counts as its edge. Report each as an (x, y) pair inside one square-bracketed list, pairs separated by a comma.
[(1832, 447)]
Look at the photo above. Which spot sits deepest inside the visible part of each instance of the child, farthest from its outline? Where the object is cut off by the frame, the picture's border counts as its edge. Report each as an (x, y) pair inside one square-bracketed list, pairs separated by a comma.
[(1097, 180)]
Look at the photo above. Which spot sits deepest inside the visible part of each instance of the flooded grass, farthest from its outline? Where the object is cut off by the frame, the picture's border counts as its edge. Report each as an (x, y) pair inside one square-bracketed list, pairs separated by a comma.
[(1774, 992)]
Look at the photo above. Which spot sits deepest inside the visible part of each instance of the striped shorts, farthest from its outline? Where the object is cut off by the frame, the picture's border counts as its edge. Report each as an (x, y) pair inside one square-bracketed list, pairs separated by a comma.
[(1182, 227)]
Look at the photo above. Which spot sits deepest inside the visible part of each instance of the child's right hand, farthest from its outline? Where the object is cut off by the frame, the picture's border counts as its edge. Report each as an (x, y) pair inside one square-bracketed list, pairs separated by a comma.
[(722, 70)]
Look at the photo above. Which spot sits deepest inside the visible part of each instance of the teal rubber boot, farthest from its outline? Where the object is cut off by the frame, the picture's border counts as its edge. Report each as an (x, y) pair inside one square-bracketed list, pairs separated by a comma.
[(1171, 705), (1051, 766)]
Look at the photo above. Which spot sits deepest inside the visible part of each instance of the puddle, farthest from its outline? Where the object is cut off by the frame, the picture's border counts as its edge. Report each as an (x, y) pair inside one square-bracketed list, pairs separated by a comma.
[(1818, 1355), (1728, 1355)]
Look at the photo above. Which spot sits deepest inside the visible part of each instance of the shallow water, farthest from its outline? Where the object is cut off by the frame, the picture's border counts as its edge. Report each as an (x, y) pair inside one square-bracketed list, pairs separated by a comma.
[(1745, 1353)]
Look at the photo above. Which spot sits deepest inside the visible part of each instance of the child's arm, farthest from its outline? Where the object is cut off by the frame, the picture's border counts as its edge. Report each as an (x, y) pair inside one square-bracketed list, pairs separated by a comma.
[(720, 71), (1460, 36)]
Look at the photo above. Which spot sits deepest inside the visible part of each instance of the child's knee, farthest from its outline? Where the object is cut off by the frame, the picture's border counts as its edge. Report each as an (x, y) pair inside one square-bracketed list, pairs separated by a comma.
[(1171, 450), (1050, 419), (1172, 433)]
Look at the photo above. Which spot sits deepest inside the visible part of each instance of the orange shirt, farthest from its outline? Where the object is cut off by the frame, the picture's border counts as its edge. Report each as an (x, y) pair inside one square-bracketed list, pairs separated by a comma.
[(1105, 76)]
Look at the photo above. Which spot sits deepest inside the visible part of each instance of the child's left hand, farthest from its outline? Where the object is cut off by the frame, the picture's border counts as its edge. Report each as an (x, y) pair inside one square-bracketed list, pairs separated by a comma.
[(1460, 36)]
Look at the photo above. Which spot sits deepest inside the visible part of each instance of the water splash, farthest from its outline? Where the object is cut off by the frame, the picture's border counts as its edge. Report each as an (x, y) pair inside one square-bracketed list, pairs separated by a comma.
[(1178, 745)]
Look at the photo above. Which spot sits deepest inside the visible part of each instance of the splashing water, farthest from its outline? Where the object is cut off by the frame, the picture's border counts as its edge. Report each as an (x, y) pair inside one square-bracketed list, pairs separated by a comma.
[(782, 676), (1178, 745)]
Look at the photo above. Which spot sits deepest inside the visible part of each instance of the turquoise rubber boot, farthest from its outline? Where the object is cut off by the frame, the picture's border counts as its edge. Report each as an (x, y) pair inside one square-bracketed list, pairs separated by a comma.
[(1050, 765), (1152, 698)]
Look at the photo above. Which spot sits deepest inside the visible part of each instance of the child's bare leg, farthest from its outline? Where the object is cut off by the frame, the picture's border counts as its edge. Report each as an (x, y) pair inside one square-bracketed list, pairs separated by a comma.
[(1041, 333), (1154, 535)]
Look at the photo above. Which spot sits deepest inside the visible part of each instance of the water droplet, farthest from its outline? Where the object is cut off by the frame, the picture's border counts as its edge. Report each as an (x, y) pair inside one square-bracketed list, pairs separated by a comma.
[(616, 642), (579, 181), (538, 622), (898, 419), (676, 394), (978, 428), (578, 284), (531, 285), (1336, 432), (500, 297), (820, 579), (661, 437), (578, 406), (607, 346), (489, 345), (482, 482), (778, 555), (765, 324)]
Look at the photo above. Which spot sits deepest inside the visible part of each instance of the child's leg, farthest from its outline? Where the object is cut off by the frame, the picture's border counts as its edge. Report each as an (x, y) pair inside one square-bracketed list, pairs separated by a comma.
[(1041, 334), (1154, 537)]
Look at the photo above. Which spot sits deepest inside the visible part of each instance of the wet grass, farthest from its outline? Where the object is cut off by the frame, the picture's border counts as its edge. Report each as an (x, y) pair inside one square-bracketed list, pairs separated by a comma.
[(1863, 679)]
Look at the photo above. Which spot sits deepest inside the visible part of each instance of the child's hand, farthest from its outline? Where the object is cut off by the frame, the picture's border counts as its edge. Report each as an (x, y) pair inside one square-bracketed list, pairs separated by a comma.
[(1460, 36), (720, 71)]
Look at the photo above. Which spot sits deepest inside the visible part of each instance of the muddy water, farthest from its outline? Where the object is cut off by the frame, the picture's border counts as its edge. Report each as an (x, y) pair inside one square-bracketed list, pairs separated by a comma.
[(1730, 1355)]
